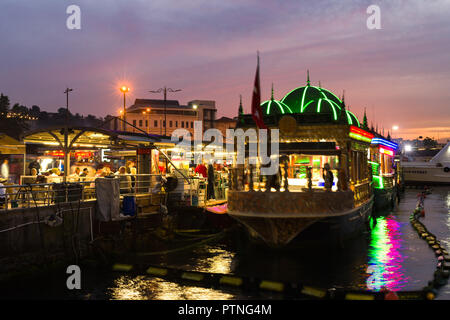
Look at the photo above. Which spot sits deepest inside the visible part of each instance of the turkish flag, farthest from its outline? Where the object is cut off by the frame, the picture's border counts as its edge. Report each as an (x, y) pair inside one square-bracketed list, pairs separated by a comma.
[(256, 102)]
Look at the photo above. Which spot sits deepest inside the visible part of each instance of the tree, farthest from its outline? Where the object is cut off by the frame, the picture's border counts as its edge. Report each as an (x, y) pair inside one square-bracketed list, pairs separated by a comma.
[(429, 143), (4, 104)]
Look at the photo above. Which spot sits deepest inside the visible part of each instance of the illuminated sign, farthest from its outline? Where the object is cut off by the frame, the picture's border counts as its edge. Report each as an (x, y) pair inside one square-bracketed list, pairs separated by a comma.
[(385, 143), (83, 154), (56, 153), (360, 134), (389, 152)]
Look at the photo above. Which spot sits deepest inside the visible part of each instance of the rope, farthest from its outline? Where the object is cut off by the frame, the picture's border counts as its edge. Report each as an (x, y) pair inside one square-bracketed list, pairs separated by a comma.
[(209, 239)]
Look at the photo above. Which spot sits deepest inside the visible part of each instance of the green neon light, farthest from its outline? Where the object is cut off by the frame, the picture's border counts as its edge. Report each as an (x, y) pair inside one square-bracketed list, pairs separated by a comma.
[(332, 94), (318, 105), (311, 101), (331, 102), (375, 168), (349, 119), (268, 107), (359, 125), (284, 105), (281, 106), (378, 182), (303, 99)]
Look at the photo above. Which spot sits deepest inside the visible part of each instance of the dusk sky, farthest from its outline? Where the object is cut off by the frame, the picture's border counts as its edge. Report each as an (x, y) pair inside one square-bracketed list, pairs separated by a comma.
[(207, 48)]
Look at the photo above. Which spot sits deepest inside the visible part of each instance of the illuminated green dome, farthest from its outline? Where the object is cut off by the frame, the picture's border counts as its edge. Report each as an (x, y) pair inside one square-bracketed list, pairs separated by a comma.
[(310, 99), (274, 107)]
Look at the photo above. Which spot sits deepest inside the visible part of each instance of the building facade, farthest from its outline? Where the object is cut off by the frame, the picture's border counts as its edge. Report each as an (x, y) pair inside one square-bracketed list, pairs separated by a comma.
[(158, 117)]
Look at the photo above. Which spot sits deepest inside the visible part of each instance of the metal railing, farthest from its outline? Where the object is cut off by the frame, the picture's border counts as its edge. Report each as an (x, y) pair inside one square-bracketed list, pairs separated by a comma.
[(191, 191)]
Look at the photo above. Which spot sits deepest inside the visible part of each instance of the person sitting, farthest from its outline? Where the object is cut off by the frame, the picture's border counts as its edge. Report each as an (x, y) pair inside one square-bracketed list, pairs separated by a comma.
[(76, 175), (125, 181), (54, 176), (85, 172)]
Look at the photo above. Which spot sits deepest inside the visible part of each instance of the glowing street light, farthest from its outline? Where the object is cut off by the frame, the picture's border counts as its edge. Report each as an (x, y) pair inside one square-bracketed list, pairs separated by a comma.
[(195, 107), (147, 112), (124, 89)]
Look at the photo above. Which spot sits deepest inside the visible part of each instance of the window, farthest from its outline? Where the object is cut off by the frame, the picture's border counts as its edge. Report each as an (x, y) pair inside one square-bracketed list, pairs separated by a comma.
[(146, 123), (176, 124), (182, 124), (164, 123), (192, 124), (134, 123), (156, 123), (140, 123), (170, 123)]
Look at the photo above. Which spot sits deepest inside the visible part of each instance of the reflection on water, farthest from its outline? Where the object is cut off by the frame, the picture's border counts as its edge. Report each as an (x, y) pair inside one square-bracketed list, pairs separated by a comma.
[(218, 260), (389, 256), (385, 258), (143, 287)]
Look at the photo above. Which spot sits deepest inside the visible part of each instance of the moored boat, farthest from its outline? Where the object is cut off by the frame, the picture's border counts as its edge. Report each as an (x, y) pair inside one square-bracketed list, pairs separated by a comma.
[(318, 139), (384, 174), (436, 171)]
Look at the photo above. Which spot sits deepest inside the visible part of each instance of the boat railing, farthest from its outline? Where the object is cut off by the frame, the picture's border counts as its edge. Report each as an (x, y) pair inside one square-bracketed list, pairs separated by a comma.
[(77, 189), (361, 192)]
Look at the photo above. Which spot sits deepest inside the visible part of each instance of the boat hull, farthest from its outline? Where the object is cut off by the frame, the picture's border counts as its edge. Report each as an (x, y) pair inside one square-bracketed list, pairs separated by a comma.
[(384, 199), (285, 216), (425, 174)]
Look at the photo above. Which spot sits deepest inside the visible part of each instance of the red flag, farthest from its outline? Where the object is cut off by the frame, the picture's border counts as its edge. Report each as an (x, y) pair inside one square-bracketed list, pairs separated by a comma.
[(257, 113)]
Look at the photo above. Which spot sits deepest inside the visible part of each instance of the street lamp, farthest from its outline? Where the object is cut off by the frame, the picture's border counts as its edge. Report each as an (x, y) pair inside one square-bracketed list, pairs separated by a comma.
[(66, 136), (124, 89), (165, 90), (147, 112)]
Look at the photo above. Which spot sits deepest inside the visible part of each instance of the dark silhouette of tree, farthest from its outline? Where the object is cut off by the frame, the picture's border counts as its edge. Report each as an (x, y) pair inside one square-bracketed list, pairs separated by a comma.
[(429, 143), (4, 104)]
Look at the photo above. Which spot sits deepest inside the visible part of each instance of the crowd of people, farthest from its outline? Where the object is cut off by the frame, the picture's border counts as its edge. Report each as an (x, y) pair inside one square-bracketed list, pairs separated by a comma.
[(127, 174)]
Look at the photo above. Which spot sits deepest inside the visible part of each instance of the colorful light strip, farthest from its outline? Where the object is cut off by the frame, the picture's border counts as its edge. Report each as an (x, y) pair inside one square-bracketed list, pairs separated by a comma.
[(389, 152), (385, 143), (360, 134)]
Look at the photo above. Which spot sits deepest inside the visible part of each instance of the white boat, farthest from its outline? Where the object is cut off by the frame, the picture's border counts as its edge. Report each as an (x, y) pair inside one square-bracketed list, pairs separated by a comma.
[(435, 171)]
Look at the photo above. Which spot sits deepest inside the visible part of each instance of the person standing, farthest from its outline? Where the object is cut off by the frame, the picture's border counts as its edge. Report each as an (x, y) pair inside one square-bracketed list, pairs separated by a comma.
[(328, 177), (4, 170), (211, 181)]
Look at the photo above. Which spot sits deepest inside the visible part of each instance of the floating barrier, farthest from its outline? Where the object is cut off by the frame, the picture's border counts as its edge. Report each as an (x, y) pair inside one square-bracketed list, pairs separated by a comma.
[(296, 290), (441, 274), (214, 280)]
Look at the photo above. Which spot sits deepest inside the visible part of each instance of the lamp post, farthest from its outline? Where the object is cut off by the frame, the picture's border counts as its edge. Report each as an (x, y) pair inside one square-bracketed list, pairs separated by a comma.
[(66, 136), (147, 112), (165, 90), (124, 89)]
